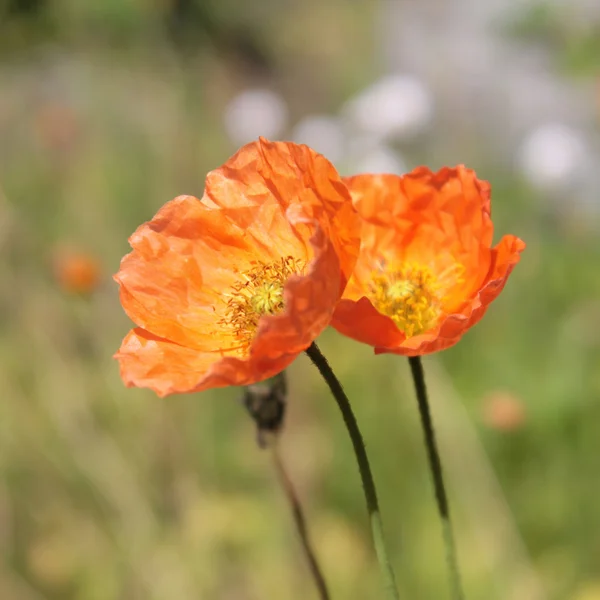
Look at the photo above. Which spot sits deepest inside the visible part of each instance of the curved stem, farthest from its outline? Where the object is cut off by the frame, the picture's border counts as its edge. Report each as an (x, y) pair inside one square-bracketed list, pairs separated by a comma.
[(435, 466), (300, 522), (266, 404), (363, 465)]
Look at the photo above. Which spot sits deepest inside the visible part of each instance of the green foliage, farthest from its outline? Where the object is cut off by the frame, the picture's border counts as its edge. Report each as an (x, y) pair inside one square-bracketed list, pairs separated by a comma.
[(573, 39)]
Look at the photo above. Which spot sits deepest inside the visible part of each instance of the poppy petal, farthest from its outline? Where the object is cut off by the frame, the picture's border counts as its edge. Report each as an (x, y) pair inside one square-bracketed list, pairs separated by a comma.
[(245, 278), (167, 368), (426, 271)]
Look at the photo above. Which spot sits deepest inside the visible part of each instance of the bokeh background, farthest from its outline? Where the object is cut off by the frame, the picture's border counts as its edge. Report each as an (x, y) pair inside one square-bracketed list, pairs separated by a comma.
[(109, 109)]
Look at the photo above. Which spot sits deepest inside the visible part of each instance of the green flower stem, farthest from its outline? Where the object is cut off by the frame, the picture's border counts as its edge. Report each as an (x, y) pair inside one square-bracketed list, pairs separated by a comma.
[(335, 386), (300, 522), (435, 466)]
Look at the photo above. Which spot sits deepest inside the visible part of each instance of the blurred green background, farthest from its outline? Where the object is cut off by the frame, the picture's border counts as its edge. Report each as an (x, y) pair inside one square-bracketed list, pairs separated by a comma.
[(109, 109)]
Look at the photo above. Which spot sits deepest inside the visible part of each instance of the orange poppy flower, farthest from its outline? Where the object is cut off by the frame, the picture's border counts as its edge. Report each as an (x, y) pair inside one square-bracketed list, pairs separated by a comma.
[(229, 289), (426, 271)]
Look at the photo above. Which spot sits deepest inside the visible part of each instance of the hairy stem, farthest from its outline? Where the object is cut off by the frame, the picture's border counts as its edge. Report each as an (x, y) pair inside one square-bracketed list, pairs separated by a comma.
[(435, 466), (363, 465), (300, 522)]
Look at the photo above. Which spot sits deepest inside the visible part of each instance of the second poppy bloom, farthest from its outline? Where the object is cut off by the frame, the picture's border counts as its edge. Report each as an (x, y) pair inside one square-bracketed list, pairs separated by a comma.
[(427, 270), (229, 289)]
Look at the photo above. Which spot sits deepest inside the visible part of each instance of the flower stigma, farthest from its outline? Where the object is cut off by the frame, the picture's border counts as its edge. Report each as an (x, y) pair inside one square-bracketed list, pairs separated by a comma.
[(258, 293), (411, 295)]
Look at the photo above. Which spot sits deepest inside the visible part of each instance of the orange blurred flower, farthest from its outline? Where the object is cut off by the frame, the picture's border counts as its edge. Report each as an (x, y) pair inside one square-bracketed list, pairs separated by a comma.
[(503, 411), (426, 271), (76, 272), (229, 289)]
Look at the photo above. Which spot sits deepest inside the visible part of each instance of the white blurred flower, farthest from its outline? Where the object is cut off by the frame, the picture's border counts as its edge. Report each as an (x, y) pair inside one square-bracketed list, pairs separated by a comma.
[(322, 133), (396, 106), (552, 155), (369, 157), (253, 113)]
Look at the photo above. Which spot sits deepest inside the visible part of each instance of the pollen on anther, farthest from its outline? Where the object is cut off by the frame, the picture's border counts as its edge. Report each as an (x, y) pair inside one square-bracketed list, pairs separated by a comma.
[(258, 292), (410, 295)]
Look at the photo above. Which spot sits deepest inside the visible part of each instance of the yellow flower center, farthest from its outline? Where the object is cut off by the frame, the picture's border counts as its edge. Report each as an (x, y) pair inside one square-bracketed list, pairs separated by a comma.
[(410, 295), (258, 293)]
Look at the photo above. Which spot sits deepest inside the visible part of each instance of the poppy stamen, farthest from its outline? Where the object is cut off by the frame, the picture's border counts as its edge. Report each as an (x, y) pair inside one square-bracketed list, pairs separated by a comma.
[(411, 295), (259, 292)]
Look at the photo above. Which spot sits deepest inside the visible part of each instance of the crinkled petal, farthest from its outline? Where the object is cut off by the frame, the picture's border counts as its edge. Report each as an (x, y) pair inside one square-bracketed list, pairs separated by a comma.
[(504, 258), (443, 216), (440, 221), (309, 305), (269, 202), (260, 206), (298, 181), (152, 362), (361, 321), (182, 261)]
